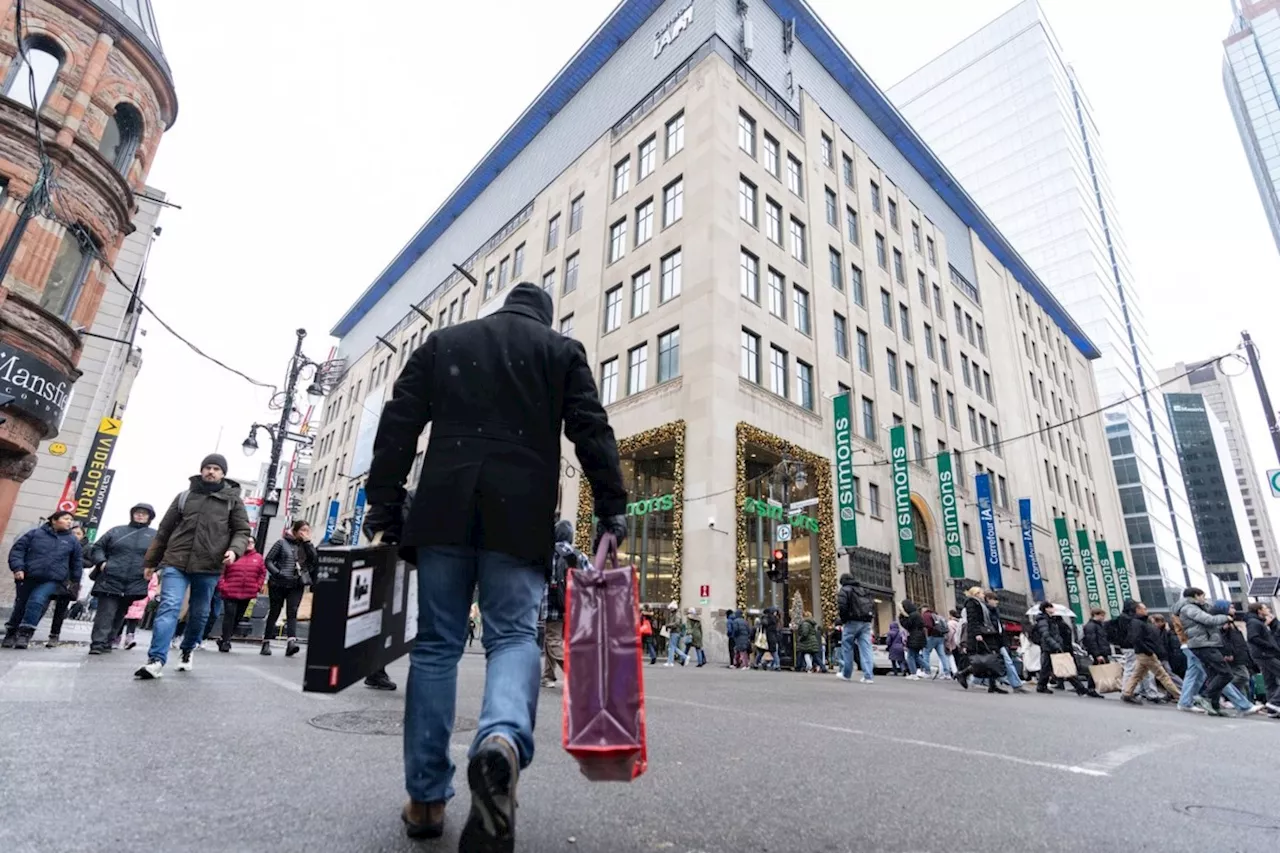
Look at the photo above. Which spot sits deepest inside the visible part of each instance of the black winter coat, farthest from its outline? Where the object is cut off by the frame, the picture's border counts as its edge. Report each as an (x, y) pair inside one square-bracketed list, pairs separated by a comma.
[(1262, 639), (43, 554), (976, 613), (120, 552), (913, 624), (286, 561), (1095, 640), (1236, 646), (741, 635), (497, 392), (1047, 636), (1144, 637)]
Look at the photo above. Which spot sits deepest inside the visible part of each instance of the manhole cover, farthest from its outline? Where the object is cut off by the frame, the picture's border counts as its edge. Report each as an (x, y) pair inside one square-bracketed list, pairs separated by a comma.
[(376, 723), (1230, 817)]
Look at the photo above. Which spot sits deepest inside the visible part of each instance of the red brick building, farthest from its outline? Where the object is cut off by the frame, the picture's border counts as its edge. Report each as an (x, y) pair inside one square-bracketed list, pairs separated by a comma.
[(104, 96)]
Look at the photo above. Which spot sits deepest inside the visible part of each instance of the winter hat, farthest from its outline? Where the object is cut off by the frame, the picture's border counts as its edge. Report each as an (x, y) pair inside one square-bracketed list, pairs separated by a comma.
[(215, 459), (147, 508), (692, 611), (1221, 606), (673, 606)]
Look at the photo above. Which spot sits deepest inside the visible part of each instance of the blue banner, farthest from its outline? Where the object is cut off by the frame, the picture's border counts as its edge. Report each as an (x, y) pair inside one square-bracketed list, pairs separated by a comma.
[(1029, 548), (987, 524), (357, 521), (331, 522)]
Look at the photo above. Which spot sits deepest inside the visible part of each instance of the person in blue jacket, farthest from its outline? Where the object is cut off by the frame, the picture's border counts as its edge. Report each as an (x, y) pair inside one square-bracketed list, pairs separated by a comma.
[(43, 560)]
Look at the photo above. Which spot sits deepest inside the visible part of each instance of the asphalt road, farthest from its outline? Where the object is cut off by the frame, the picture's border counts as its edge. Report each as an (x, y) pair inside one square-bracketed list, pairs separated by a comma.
[(225, 758)]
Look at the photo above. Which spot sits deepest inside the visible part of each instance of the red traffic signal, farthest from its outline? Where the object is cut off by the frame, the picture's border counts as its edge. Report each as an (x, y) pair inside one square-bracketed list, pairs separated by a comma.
[(778, 555)]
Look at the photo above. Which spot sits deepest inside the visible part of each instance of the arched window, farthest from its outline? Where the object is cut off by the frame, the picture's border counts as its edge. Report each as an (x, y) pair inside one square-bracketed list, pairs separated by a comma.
[(121, 137), (70, 269), (45, 58)]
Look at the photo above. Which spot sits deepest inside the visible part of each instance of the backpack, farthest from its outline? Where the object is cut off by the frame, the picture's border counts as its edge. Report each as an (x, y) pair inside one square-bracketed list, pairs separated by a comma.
[(855, 605), (1118, 630), (939, 625)]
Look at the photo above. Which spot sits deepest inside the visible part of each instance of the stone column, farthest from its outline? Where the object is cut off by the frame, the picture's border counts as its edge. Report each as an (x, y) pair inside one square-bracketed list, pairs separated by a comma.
[(88, 84)]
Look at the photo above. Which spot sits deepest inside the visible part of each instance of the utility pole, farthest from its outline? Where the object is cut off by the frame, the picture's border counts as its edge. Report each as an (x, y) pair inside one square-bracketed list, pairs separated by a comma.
[(1267, 409), (270, 506)]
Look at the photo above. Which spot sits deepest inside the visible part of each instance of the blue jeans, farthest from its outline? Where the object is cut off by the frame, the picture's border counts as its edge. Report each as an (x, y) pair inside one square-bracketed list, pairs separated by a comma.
[(916, 661), (1010, 671), (36, 594), (510, 594), (939, 645), (1193, 680), (860, 633), (673, 647), (174, 583)]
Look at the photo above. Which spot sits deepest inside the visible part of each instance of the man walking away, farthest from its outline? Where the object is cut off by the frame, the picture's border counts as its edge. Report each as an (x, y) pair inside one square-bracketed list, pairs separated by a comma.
[(1049, 637), (856, 610), (937, 629), (1146, 638), (204, 530), (1095, 642), (43, 560), (1204, 638), (497, 392), (118, 554), (1264, 643), (564, 558)]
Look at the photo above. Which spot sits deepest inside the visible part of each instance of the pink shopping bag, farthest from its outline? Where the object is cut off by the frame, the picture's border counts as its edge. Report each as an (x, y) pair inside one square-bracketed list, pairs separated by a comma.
[(604, 726)]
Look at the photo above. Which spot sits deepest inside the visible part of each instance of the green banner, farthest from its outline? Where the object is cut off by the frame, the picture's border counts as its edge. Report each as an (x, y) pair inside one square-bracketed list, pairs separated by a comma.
[(1122, 575), (950, 515), (846, 497), (902, 494), (1069, 568), (1090, 576), (1108, 578)]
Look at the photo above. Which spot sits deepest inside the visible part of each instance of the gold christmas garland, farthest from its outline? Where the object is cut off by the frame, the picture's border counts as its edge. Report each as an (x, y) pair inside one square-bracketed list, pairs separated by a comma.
[(817, 467)]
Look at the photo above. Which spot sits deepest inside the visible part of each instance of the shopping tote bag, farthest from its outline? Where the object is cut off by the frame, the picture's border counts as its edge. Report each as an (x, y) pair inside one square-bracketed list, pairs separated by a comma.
[(1107, 677), (1064, 665), (603, 721)]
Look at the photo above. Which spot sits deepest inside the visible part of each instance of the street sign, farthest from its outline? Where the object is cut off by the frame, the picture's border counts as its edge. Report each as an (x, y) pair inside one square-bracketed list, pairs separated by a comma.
[(1273, 479), (784, 533), (704, 591)]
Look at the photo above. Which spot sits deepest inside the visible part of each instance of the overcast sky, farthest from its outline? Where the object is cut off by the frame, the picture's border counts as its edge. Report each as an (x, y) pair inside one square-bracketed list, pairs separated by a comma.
[(303, 169)]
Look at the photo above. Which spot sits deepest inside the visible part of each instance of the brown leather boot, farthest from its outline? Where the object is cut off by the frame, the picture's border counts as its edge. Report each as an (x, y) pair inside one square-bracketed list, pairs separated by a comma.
[(423, 820)]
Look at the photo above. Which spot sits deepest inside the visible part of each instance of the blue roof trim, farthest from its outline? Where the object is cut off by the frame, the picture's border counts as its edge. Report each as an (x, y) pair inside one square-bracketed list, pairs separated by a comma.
[(621, 24), (814, 35)]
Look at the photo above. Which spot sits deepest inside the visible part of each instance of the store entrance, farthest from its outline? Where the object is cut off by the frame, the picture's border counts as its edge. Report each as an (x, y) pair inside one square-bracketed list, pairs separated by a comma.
[(919, 578), (779, 510), (649, 475)]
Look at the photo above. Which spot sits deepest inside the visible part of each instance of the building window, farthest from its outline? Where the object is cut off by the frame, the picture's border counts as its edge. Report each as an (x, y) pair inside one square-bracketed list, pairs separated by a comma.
[(70, 269), (893, 216), (747, 133), (750, 356), (638, 369), (944, 352), (851, 224), (917, 444), (875, 197), (800, 299), (640, 293), (798, 241), (833, 210), (777, 294), (855, 284), (553, 232), (982, 347), (673, 202), (923, 288), (882, 254), (964, 370), (951, 411), (898, 273), (613, 308), (575, 215), (937, 303), (778, 371), (804, 384), (973, 424), (928, 343), (644, 222), (836, 266), (669, 355), (771, 155), (913, 388), (504, 272), (773, 220), (847, 167), (675, 135), (933, 254), (842, 336), (747, 200), (828, 155), (869, 429), (864, 351), (571, 273), (622, 177), (935, 397), (548, 284), (915, 236), (904, 321), (749, 275), (490, 278), (617, 240), (873, 496), (986, 381), (45, 58), (648, 157), (795, 175), (566, 325), (609, 381), (886, 308), (891, 361), (517, 264), (670, 269), (120, 137)]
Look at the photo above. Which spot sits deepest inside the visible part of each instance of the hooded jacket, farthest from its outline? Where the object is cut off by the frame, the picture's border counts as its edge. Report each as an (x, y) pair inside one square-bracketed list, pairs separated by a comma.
[(741, 633), (1203, 629), (566, 557), (199, 527), (1236, 646), (853, 603), (120, 552), (288, 559), (1144, 637), (808, 638), (897, 642), (913, 623), (244, 578), (1046, 634), (1262, 640), (45, 554), (1095, 639)]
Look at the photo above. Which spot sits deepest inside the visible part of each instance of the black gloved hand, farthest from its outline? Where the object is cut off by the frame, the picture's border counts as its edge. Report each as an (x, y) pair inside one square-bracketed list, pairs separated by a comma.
[(387, 519), (614, 524)]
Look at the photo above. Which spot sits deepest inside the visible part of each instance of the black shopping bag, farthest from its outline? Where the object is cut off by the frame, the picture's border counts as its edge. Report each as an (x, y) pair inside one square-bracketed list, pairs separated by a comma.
[(364, 615)]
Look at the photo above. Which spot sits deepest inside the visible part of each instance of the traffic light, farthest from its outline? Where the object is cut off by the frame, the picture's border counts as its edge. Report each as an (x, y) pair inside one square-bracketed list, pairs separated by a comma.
[(5, 399), (778, 566)]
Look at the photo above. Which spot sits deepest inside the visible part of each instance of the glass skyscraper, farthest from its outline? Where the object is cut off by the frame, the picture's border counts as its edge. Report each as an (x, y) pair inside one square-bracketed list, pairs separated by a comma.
[(1007, 115), (1250, 63)]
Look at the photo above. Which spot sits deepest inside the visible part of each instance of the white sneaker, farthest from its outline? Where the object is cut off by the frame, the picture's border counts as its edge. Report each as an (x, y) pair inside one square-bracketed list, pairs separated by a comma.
[(864, 680), (1272, 706), (1249, 712), (184, 663), (668, 663), (844, 677), (1192, 709), (151, 669)]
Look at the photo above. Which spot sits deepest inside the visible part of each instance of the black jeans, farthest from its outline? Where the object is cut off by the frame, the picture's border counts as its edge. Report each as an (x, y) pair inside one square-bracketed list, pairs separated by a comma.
[(1046, 673), (232, 612), (108, 621), (290, 598), (1218, 673), (1270, 678)]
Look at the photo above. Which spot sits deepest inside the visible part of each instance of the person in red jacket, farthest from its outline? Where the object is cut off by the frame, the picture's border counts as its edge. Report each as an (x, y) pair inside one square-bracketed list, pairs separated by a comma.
[(240, 583)]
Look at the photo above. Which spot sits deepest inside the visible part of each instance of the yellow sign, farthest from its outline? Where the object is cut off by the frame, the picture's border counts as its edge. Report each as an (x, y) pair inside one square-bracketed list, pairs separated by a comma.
[(57, 448), (109, 426), (95, 466)]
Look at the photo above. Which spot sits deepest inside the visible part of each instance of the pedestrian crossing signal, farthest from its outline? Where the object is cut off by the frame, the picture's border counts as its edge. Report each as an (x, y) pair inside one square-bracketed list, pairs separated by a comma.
[(778, 566)]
